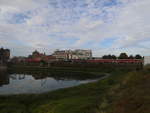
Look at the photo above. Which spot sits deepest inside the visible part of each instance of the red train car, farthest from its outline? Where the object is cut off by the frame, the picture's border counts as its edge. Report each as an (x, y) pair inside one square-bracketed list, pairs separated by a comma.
[(33, 60), (129, 61), (115, 61)]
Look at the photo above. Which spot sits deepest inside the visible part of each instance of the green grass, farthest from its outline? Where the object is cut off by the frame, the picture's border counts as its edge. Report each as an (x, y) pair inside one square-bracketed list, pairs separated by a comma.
[(120, 93), (133, 93), (106, 68)]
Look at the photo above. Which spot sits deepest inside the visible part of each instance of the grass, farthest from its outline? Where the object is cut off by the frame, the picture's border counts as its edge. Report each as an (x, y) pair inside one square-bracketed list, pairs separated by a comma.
[(102, 68), (133, 94), (120, 93)]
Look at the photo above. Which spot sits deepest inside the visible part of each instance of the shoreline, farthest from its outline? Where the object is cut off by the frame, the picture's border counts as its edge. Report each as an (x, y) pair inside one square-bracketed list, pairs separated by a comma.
[(81, 96), (90, 81), (105, 95)]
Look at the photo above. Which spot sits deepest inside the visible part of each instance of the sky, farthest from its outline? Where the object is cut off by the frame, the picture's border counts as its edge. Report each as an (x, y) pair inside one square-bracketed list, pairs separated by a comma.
[(104, 26)]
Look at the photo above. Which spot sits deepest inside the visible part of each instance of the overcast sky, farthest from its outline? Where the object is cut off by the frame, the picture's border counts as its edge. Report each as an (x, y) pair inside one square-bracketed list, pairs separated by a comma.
[(105, 26)]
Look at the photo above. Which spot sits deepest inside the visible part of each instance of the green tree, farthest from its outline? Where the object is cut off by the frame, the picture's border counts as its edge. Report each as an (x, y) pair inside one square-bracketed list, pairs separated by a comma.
[(123, 56), (109, 57), (138, 56), (113, 57), (131, 57), (105, 57)]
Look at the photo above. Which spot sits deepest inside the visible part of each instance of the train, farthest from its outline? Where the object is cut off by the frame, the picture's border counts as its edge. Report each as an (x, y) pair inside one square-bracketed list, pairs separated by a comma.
[(112, 61), (140, 61)]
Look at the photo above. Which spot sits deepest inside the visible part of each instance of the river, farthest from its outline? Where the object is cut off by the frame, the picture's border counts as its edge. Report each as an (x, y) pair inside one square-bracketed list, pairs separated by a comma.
[(13, 83)]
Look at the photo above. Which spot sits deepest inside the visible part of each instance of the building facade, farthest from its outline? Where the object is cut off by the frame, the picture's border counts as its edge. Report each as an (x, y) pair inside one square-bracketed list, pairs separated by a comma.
[(36, 57), (146, 60), (4, 55), (61, 54), (73, 54), (82, 54)]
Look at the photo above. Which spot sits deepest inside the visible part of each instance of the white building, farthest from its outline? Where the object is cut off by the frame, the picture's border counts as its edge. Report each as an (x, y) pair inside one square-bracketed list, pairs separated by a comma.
[(146, 60), (73, 54), (82, 54), (60, 54)]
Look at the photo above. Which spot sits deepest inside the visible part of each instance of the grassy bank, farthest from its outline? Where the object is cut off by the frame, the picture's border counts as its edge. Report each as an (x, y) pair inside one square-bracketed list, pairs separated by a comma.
[(78, 67), (52, 69), (120, 93), (131, 94)]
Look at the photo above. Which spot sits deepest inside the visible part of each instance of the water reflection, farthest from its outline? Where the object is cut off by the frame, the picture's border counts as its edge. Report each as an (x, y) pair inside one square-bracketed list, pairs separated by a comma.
[(38, 82), (59, 75)]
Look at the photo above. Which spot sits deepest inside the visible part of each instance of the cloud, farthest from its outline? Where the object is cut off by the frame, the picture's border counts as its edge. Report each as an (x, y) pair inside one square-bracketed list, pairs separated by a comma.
[(46, 25)]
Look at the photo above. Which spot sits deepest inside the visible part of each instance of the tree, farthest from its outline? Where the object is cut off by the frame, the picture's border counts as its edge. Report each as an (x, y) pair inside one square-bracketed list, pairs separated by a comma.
[(131, 57), (123, 56), (105, 57), (109, 57), (138, 56), (113, 57)]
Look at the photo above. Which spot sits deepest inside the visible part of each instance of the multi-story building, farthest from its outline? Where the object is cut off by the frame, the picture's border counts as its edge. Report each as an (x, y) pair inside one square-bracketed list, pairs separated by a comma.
[(38, 57), (146, 60), (82, 54), (18, 59), (73, 54), (37, 54), (61, 54), (4, 55)]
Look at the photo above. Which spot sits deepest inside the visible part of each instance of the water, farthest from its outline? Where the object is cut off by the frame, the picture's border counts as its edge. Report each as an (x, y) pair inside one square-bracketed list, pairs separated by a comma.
[(36, 83)]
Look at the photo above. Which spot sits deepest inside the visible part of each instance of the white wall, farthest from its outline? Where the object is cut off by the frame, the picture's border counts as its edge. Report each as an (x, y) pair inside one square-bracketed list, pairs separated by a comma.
[(146, 60)]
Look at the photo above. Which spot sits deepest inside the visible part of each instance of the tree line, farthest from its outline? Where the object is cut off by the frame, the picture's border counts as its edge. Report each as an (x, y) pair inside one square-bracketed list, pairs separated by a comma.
[(122, 56)]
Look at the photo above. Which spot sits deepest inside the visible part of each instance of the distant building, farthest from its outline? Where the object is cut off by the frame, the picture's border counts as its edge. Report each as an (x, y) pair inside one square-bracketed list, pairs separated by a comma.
[(146, 60), (49, 58), (82, 54), (73, 54), (4, 55), (61, 54), (37, 54), (38, 57), (18, 59)]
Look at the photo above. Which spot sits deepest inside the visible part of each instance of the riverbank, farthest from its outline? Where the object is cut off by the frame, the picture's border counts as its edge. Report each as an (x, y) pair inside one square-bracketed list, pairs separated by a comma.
[(69, 72), (123, 92), (89, 70)]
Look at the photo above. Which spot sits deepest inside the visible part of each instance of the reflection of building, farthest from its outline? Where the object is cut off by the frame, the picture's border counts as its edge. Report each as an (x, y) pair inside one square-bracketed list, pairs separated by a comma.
[(39, 76), (17, 76), (73, 54), (4, 78), (4, 55)]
